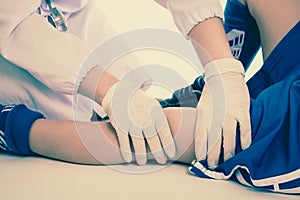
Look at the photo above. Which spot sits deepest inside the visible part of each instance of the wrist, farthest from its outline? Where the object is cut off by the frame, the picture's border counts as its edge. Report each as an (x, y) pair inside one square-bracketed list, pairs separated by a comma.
[(223, 66), (96, 84), (106, 82), (120, 90)]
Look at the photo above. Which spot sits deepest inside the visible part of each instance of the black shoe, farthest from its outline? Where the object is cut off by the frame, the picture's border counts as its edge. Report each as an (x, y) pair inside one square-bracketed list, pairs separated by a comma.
[(185, 97)]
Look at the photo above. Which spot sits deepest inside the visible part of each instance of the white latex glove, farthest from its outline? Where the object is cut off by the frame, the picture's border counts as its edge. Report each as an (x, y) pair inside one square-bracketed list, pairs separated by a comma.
[(133, 113), (224, 103)]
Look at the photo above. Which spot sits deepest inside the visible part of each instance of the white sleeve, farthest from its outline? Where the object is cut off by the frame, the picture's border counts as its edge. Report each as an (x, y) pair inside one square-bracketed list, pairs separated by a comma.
[(30, 42), (188, 13)]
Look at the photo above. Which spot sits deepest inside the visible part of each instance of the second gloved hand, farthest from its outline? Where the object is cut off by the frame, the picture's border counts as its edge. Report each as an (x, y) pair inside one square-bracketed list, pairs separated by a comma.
[(136, 115), (223, 106)]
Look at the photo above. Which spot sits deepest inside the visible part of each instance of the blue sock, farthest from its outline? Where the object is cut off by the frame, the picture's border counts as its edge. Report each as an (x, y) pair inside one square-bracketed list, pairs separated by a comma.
[(3, 116), (185, 97), (15, 124), (242, 32)]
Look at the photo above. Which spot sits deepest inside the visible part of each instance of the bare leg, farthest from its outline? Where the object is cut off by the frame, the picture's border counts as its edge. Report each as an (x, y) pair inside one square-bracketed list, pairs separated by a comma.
[(275, 18), (59, 140), (96, 143)]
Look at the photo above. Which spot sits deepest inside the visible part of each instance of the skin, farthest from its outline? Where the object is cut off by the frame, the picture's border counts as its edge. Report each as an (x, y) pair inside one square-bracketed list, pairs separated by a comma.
[(205, 46), (103, 80), (60, 140), (210, 43), (275, 21)]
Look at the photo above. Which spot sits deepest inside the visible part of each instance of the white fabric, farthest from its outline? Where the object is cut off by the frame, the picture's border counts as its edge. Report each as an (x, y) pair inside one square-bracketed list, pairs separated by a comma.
[(224, 103), (188, 13), (52, 58), (28, 43), (132, 112), (66, 6)]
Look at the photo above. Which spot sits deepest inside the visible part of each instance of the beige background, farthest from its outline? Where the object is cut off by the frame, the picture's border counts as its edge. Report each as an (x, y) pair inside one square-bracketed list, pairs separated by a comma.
[(128, 15), (45, 179)]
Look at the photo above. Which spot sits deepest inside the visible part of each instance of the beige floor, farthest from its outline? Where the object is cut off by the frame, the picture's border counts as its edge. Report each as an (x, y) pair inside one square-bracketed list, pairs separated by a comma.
[(44, 179)]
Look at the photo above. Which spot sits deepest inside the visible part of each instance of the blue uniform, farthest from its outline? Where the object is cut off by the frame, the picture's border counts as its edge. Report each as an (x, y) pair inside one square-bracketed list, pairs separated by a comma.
[(272, 162)]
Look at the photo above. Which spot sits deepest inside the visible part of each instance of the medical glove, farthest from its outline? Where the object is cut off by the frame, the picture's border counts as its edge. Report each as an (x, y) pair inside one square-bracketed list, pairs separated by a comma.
[(223, 106), (139, 118)]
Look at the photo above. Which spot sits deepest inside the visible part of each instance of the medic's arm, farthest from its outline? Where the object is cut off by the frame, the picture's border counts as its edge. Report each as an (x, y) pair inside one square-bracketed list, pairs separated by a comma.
[(201, 21), (225, 91)]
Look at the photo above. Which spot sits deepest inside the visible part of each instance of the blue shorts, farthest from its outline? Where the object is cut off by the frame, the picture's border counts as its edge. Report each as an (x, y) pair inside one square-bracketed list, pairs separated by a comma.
[(272, 162)]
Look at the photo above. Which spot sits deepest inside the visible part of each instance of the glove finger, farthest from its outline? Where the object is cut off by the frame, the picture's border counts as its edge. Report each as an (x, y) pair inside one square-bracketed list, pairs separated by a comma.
[(140, 150), (155, 145), (124, 145), (214, 141), (160, 127), (138, 142), (218, 115), (229, 135), (167, 140), (201, 136), (245, 131)]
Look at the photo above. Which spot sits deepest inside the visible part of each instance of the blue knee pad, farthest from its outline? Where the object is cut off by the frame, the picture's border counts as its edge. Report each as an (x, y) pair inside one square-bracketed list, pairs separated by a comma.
[(242, 32), (15, 124)]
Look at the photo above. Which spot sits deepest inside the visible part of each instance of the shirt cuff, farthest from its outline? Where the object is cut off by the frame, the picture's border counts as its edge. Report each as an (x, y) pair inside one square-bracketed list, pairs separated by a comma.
[(189, 13)]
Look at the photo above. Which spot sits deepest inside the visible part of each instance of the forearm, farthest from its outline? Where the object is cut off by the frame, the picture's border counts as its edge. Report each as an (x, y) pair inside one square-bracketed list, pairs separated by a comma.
[(96, 84), (210, 41), (201, 22)]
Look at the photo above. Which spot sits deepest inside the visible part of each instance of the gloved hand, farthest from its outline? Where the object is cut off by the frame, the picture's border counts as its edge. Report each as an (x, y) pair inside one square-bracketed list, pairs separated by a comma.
[(223, 106), (133, 113)]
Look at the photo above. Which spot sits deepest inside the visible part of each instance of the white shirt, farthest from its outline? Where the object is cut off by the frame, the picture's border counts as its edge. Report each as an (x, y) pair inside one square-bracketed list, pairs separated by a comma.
[(40, 66), (53, 59)]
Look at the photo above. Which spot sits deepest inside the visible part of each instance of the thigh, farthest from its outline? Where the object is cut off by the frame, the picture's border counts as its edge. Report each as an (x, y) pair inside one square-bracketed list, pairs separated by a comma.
[(275, 18)]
